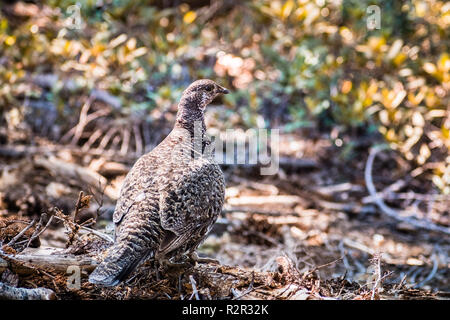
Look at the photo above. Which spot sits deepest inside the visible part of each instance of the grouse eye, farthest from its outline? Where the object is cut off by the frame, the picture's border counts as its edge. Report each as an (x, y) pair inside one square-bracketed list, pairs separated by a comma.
[(209, 87)]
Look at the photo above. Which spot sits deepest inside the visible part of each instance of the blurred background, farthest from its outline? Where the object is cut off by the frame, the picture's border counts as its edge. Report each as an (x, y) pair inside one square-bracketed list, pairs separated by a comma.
[(88, 86)]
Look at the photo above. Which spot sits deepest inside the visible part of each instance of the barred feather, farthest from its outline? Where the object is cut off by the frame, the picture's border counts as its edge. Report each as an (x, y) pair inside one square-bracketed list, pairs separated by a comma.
[(170, 198)]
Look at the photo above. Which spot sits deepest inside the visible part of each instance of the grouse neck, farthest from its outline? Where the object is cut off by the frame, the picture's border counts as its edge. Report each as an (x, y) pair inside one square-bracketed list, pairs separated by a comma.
[(188, 118)]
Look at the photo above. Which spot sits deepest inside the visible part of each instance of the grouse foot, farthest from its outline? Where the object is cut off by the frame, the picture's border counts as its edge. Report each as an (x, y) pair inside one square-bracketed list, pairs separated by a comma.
[(176, 263), (194, 257)]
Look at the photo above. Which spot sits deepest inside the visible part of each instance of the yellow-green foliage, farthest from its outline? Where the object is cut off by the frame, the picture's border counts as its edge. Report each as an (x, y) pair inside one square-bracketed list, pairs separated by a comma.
[(292, 63)]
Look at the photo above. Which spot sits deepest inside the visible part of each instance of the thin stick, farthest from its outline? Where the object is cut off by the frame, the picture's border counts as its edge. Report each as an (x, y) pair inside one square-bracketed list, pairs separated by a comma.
[(432, 273), (21, 233), (138, 139), (248, 290), (36, 230), (325, 265), (410, 196), (82, 121), (105, 140), (125, 142), (427, 225), (85, 119), (94, 137), (40, 232), (97, 233), (194, 288), (78, 205), (377, 263)]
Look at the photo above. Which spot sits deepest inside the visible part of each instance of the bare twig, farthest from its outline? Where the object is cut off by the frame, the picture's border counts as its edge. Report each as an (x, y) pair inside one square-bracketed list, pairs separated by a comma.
[(323, 266), (105, 140), (376, 262), (194, 288), (248, 290), (401, 283), (409, 196), (348, 206), (341, 187), (138, 139), (262, 236), (348, 268), (97, 233), (76, 131), (78, 205), (98, 200), (36, 230), (94, 137), (358, 246), (21, 233), (432, 273), (427, 225), (84, 120), (125, 142), (37, 235)]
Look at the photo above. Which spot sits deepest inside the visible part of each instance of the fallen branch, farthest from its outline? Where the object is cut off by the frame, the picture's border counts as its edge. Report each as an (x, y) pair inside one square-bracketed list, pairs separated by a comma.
[(427, 225), (410, 196), (257, 211), (11, 293), (346, 207), (63, 168), (336, 188), (264, 200), (44, 258)]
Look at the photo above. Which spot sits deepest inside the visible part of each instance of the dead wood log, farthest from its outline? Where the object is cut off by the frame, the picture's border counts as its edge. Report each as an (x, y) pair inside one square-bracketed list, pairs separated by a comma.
[(63, 168), (251, 211), (45, 258), (264, 200), (11, 293)]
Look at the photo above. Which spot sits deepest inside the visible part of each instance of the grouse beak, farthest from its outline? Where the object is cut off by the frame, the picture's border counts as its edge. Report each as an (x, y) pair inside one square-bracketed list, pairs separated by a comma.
[(222, 90)]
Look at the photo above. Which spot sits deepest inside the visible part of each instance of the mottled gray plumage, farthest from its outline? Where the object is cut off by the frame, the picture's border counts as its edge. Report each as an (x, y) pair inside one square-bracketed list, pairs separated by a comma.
[(171, 197)]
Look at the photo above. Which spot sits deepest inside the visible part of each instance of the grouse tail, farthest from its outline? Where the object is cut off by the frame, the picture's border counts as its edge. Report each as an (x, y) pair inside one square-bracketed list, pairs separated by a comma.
[(120, 262)]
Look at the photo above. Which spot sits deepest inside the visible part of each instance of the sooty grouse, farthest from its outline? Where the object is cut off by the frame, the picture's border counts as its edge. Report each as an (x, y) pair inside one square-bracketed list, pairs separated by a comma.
[(171, 197)]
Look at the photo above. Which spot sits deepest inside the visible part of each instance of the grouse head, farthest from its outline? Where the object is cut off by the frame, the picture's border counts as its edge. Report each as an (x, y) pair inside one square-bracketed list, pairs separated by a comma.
[(201, 93)]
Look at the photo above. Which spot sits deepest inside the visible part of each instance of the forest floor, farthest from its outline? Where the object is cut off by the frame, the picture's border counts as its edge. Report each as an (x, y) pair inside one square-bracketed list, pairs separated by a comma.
[(315, 230), (310, 232)]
